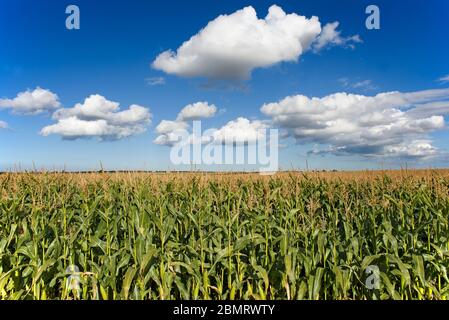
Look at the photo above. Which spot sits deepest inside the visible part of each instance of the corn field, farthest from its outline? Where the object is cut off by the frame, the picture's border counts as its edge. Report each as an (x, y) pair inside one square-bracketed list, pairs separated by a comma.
[(224, 236)]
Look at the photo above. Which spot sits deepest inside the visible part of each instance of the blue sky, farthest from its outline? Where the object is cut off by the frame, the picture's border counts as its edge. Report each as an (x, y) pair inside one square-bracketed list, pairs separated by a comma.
[(111, 55)]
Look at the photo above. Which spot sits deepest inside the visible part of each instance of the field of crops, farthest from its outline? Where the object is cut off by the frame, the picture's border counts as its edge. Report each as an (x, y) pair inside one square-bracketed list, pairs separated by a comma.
[(225, 236)]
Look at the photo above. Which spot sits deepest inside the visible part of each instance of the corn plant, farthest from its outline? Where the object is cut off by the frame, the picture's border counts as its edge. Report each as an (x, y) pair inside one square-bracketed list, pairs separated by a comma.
[(224, 236)]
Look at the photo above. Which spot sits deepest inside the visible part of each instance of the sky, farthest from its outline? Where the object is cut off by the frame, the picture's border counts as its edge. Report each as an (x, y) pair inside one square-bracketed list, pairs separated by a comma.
[(113, 92)]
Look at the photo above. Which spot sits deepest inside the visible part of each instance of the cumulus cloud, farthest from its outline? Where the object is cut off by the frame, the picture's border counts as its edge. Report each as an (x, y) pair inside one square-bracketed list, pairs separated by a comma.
[(389, 124), (415, 149), (330, 36), (101, 118), (196, 111), (3, 125), (167, 139), (231, 46), (169, 131), (166, 126), (32, 102), (240, 130)]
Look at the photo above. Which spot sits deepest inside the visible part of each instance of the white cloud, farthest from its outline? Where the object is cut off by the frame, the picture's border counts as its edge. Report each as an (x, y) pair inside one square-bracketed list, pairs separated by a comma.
[(196, 111), (32, 102), (231, 46), (169, 131), (167, 139), (330, 36), (389, 124), (101, 118), (240, 130), (3, 125), (429, 109), (444, 79), (167, 126), (415, 149)]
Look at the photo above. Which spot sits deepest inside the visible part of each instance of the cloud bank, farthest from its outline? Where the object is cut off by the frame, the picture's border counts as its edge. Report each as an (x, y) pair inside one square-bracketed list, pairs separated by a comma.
[(100, 118), (240, 130), (232, 46), (391, 124)]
